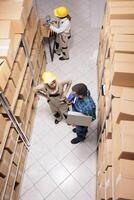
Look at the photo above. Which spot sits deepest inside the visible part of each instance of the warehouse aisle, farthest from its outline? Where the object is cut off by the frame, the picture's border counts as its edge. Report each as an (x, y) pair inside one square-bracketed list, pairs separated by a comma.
[(57, 169)]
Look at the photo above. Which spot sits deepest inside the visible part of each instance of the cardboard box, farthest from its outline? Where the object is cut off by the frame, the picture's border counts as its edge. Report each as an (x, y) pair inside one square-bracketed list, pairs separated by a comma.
[(19, 110), (2, 182), (12, 175), (120, 13), (45, 31), (15, 75), (123, 57), (126, 147), (21, 58), (19, 173), (4, 163), (8, 192), (10, 92), (31, 29), (128, 94), (108, 153), (124, 188), (6, 31), (124, 169), (124, 47), (17, 154), (9, 48), (116, 91), (2, 127), (109, 127), (5, 72), (14, 12), (122, 74), (11, 140), (108, 184), (122, 110), (121, 3)]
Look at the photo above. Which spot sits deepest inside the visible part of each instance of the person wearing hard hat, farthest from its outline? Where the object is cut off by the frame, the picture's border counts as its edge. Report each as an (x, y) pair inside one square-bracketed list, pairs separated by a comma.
[(55, 94), (63, 32)]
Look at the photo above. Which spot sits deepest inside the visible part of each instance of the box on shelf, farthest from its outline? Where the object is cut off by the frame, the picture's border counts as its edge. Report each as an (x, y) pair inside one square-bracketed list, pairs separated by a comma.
[(21, 58), (15, 74), (10, 92), (124, 188), (126, 147), (109, 127), (11, 140), (19, 110), (5, 72), (4, 163), (9, 48), (122, 110), (17, 154), (6, 31), (12, 175), (15, 12), (2, 127), (108, 183), (45, 31), (122, 74)]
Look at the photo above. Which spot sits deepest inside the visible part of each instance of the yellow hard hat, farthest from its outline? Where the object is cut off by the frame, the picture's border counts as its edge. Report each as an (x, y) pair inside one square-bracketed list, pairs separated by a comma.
[(48, 77), (61, 12)]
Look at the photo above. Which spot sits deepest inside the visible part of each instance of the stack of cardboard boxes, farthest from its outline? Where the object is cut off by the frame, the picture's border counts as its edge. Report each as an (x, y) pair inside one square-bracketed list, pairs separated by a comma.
[(115, 170), (21, 62)]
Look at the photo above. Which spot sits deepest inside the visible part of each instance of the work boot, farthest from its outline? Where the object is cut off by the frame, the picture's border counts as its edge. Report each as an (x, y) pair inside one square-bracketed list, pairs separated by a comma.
[(77, 140), (57, 53), (61, 58), (56, 121)]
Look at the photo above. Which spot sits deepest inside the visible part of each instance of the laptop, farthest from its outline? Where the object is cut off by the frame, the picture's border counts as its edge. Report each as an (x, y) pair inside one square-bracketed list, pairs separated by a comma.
[(76, 118)]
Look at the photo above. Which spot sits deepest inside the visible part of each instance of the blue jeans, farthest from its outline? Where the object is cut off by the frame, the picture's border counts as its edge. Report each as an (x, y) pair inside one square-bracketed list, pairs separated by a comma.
[(81, 132)]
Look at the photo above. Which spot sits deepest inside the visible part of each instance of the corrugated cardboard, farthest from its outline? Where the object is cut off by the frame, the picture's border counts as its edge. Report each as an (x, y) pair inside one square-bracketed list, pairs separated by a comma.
[(14, 12), (108, 183), (20, 58), (122, 110), (10, 92), (128, 94), (6, 31), (11, 140), (109, 127), (122, 74), (5, 72), (12, 175), (126, 147), (9, 48), (19, 110), (124, 189), (15, 75), (4, 163), (121, 12), (17, 154), (2, 127)]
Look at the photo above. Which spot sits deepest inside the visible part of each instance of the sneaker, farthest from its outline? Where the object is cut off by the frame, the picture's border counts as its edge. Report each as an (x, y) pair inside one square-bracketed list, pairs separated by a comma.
[(75, 141), (61, 58)]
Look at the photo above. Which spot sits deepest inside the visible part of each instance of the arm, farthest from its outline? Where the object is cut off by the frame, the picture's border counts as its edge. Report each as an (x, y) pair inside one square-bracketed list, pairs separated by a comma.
[(66, 86), (38, 87), (62, 27)]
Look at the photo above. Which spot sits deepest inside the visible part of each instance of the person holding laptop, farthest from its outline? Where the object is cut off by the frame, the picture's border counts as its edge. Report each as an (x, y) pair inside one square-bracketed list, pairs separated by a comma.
[(82, 102)]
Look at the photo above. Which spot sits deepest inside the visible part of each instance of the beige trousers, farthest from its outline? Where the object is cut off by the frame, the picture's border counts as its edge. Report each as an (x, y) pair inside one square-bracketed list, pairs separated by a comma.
[(62, 41), (57, 107)]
